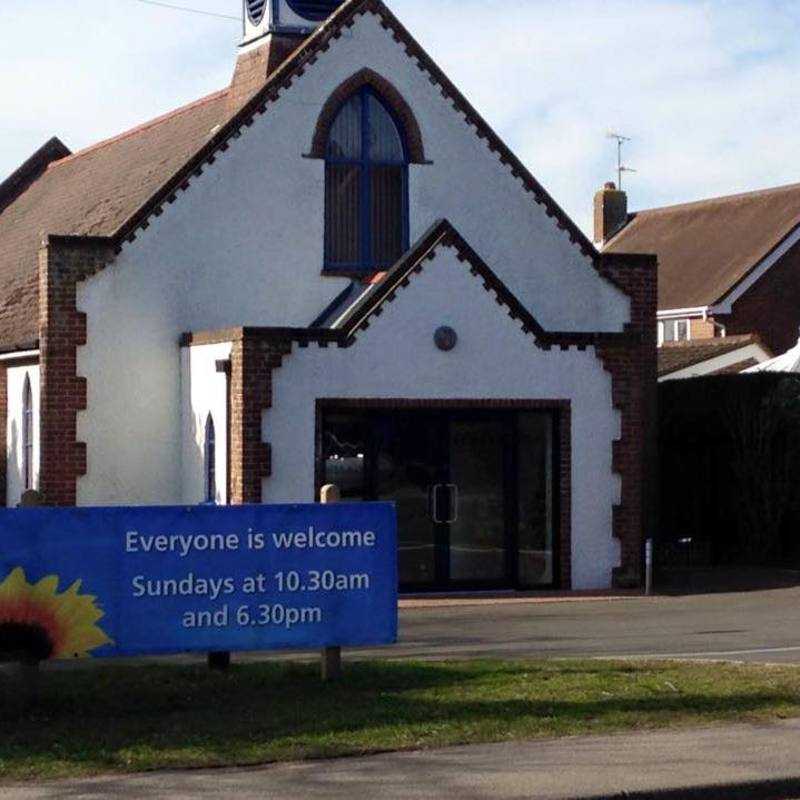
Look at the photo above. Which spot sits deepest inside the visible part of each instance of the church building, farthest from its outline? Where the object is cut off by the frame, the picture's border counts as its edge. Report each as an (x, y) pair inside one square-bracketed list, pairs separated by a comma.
[(331, 271)]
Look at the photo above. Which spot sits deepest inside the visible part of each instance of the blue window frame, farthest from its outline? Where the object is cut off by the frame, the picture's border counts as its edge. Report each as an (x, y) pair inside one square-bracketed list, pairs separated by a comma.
[(366, 186), (210, 458), (27, 434)]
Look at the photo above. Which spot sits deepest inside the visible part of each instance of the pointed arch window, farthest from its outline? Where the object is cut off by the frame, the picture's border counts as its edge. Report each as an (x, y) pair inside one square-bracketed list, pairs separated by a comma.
[(27, 434), (210, 459), (366, 186)]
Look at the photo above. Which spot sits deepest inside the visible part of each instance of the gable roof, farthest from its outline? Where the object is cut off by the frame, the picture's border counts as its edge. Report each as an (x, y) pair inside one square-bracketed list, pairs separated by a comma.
[(708, 247), (112, 189), (355, 308), (675, 356), (91, 193)]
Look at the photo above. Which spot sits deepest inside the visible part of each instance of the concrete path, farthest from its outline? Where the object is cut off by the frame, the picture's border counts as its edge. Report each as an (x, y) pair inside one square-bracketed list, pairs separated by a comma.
[(731, 762)]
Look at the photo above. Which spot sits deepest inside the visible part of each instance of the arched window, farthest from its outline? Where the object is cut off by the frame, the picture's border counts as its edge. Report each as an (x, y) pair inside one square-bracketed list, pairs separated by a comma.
[(210, 458), (366, 186), (27, 434)]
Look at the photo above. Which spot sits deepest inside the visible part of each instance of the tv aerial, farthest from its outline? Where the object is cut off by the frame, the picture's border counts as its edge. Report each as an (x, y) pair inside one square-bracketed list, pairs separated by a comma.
[(621, 168)]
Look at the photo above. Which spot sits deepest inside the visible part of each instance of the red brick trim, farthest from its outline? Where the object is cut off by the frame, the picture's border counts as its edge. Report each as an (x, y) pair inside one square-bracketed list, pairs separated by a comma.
[(389, 94), (63, 262), (633, 375), (562, 409), (252, 362)]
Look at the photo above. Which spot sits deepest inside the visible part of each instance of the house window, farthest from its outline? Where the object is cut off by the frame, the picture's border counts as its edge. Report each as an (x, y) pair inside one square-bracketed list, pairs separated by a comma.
[(27, 434), (366, 187), (673, 330), (210, 458)]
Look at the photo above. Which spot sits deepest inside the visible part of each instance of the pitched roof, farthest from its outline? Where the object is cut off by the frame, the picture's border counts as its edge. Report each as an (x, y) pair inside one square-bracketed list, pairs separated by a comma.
[(112, 189), (92, 192), (706, 248), (675, 356)]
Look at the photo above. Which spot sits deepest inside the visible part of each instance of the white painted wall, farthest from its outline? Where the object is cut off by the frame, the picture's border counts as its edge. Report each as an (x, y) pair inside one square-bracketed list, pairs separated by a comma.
[(244, 246), (204, 392), (396, 357), (15, 479)]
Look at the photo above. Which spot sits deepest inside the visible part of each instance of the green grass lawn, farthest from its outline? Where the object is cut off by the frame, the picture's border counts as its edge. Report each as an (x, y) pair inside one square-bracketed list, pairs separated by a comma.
[(118, 719)]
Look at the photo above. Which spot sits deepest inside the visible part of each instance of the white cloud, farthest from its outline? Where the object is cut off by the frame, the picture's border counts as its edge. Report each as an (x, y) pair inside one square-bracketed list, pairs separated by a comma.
[(708, 90)]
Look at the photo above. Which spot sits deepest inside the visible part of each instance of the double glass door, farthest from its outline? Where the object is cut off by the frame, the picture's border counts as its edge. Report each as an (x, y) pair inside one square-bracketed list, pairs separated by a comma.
[(473, 490)]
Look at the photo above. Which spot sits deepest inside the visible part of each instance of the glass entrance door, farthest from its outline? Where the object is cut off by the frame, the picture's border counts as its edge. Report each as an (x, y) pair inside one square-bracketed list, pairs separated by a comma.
[(473, 490)]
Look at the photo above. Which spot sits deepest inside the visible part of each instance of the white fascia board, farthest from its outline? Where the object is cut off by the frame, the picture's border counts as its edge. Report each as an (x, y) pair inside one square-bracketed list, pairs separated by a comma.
[(683, 313), (19, 355), (725, 305), (717, 363)]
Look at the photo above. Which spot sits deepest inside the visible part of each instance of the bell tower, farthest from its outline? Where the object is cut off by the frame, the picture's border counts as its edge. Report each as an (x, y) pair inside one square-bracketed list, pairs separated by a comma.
[(272, 30), (286, 17)]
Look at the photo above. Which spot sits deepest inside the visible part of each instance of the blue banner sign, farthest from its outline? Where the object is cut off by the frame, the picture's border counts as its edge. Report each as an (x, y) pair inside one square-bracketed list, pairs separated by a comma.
[(134, 581)]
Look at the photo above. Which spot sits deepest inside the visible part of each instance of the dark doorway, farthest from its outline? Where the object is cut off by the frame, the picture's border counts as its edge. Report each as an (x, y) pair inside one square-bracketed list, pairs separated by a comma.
[(474, 490)]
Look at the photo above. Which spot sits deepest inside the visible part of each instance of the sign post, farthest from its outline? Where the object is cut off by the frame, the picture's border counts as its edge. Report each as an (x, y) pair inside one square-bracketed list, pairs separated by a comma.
[(331, 656), (107, 582)]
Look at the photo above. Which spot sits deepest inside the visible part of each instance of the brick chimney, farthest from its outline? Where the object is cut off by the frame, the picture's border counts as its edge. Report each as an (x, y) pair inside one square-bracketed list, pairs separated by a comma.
[(610, 212)]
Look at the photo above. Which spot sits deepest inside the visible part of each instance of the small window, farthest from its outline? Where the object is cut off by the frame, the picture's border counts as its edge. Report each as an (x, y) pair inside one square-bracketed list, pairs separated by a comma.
[(673, 330), (27, 435), (366, 180), (210, 458)]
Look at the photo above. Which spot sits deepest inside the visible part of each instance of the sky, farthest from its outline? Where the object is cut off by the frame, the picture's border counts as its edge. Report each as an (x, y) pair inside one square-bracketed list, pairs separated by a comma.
[(709, 92)]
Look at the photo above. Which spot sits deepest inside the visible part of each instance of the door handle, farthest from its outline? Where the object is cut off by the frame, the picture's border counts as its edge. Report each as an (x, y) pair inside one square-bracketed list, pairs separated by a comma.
[(433, 502), (452, 488)]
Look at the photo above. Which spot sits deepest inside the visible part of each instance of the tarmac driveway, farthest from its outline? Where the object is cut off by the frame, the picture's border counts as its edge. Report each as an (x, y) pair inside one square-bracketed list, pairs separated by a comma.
[(761, 626)]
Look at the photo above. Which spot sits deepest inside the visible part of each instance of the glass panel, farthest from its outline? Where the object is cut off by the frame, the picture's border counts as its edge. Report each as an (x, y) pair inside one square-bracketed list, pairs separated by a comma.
[(682, 330), (384, 138), (344, 448), (535, 443), (342, 213), (477, 536), (387, 214), (408, 467), (669, 331), (345, 136)]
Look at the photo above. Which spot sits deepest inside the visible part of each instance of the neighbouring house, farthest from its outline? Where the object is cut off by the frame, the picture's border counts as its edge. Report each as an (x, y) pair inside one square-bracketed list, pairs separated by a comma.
[(331, 271), (728, 267)]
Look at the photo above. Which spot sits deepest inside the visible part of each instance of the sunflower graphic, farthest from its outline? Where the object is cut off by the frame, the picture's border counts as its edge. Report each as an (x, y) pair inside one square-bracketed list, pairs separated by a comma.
[(39, 623)]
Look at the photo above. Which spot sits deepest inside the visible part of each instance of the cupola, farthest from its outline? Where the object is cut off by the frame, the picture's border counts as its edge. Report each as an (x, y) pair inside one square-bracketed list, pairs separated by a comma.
[(288, 17)]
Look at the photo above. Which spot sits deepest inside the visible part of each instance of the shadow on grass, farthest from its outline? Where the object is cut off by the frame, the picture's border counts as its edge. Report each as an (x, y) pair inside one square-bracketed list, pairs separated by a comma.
[(129, 718)]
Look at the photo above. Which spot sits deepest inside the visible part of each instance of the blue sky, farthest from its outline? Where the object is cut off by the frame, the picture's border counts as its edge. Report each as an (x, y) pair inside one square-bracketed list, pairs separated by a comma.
[(709, 91)]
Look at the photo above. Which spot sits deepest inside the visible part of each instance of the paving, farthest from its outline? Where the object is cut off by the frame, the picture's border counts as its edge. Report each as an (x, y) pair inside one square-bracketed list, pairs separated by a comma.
[(730, 762)]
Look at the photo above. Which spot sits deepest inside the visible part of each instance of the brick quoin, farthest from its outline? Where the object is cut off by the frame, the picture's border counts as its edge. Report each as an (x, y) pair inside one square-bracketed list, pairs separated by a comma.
[(633, 376), (3, 433), (252, 363), (63, 262)]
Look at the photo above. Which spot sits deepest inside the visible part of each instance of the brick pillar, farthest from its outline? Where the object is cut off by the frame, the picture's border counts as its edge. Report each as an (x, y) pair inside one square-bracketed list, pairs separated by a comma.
[(633, 373), (63, 262), (3, 433)]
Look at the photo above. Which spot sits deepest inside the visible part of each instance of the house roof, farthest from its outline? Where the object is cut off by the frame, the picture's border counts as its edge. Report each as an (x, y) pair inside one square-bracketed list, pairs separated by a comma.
[(675, 356), (111, 189), (706, 248)]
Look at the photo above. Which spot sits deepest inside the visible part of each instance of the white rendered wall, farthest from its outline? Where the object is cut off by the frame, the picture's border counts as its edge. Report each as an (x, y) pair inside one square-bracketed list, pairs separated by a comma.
[(396, 358), (15, 478), (244, 246), (204, 392)]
